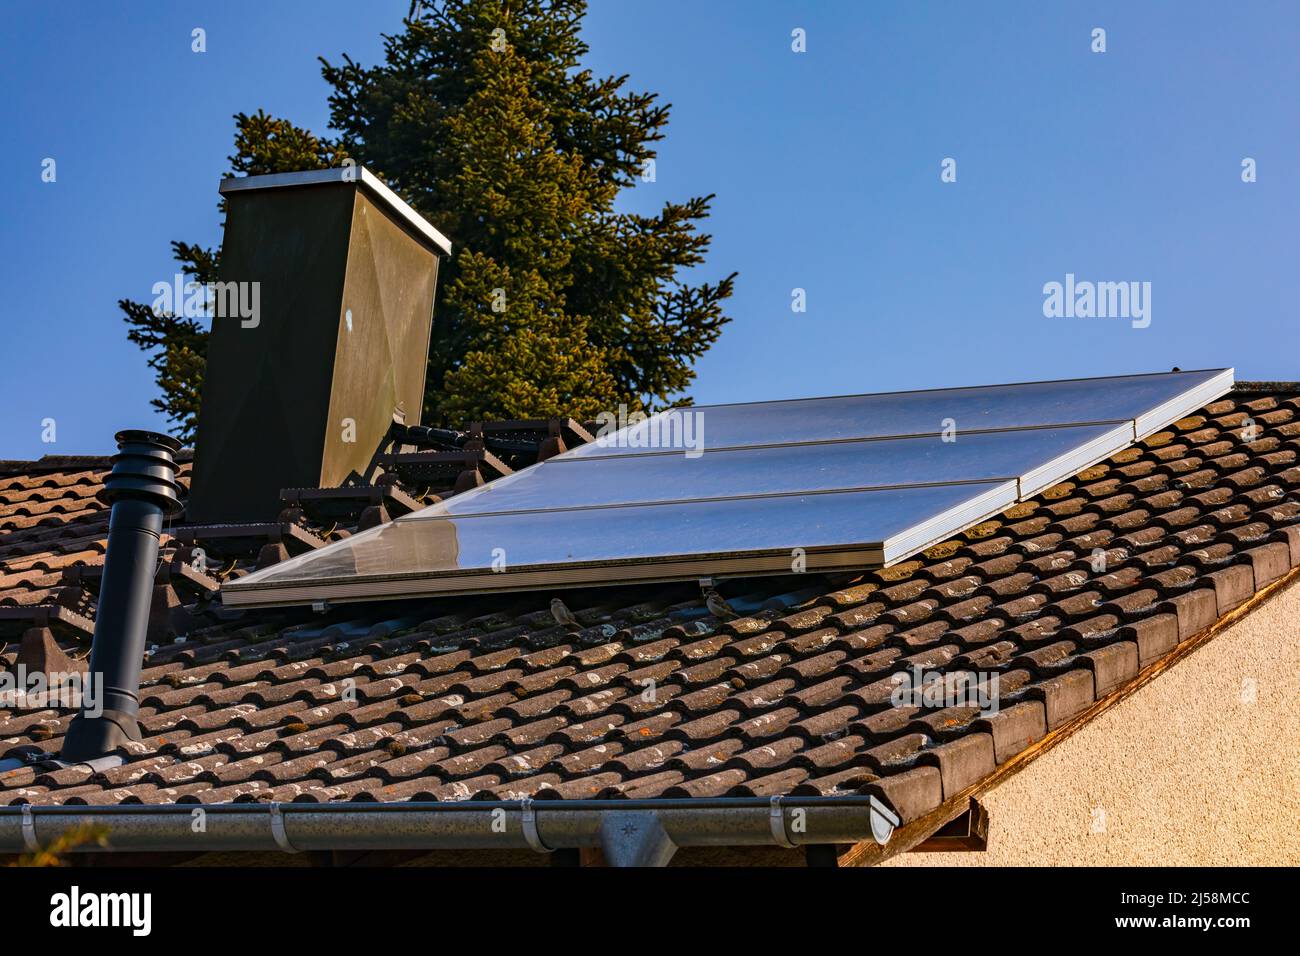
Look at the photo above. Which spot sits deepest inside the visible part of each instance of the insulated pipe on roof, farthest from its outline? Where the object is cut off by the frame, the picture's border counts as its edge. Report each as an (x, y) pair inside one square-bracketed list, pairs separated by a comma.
[(142, 491), (629, 831)]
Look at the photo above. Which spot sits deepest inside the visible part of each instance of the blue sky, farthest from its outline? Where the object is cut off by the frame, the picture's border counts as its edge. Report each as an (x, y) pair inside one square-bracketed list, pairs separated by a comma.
[(1115, 166)]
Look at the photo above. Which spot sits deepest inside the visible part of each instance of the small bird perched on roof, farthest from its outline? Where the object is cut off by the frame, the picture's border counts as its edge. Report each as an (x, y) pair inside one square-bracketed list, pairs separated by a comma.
[(718, 606), (563, 616)]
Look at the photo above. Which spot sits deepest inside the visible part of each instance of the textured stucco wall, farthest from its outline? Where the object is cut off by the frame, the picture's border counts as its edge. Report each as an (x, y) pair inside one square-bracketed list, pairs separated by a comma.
[(1187, 771)]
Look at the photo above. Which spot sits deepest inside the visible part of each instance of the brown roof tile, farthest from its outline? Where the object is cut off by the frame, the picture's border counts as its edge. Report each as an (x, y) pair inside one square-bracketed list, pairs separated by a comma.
[(1065, 597)]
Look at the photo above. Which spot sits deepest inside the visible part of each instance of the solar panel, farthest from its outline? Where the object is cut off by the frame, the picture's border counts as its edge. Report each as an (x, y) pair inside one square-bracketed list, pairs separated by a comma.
[(1070, 402), (772, 487)]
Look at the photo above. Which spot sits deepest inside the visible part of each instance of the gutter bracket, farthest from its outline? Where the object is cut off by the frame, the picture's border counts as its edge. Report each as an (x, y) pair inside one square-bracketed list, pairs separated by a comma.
[(530, 827), (776, 819), (277, 830), (29, 830)]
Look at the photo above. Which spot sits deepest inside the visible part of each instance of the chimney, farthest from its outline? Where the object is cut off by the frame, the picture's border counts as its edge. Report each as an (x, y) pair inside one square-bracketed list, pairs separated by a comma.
[(324, 310), (142, 491)]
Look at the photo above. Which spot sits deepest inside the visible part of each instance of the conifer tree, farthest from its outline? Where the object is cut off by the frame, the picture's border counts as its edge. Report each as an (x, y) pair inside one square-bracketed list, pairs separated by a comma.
[(555, 301)]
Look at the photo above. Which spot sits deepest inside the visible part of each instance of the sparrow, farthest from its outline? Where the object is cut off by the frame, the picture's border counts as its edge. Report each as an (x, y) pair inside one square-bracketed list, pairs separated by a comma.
[(718, 606), (563, 616)]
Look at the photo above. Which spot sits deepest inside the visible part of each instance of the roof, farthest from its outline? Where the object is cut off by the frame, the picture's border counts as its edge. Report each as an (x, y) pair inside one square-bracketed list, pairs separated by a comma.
[(50, 520), (488, 699)]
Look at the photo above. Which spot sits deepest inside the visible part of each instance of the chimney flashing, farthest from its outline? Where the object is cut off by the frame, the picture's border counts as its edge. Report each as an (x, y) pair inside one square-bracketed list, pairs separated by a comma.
[(375, 186)]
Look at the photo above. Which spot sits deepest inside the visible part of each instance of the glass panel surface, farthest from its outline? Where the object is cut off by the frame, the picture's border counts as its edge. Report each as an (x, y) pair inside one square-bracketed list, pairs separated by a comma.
[(901, 413), (672, 476), (619, 507), (640, 532)]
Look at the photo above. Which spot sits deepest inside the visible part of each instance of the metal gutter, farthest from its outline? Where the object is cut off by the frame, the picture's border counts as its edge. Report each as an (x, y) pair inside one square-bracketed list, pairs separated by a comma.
[(631, 832)]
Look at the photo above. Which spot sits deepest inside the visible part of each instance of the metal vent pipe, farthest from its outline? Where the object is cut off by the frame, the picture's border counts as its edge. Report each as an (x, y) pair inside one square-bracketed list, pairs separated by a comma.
[(142, 492)]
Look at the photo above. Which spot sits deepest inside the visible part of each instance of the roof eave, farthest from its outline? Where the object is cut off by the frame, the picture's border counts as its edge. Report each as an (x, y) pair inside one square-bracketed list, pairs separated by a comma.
[(630, 832)]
